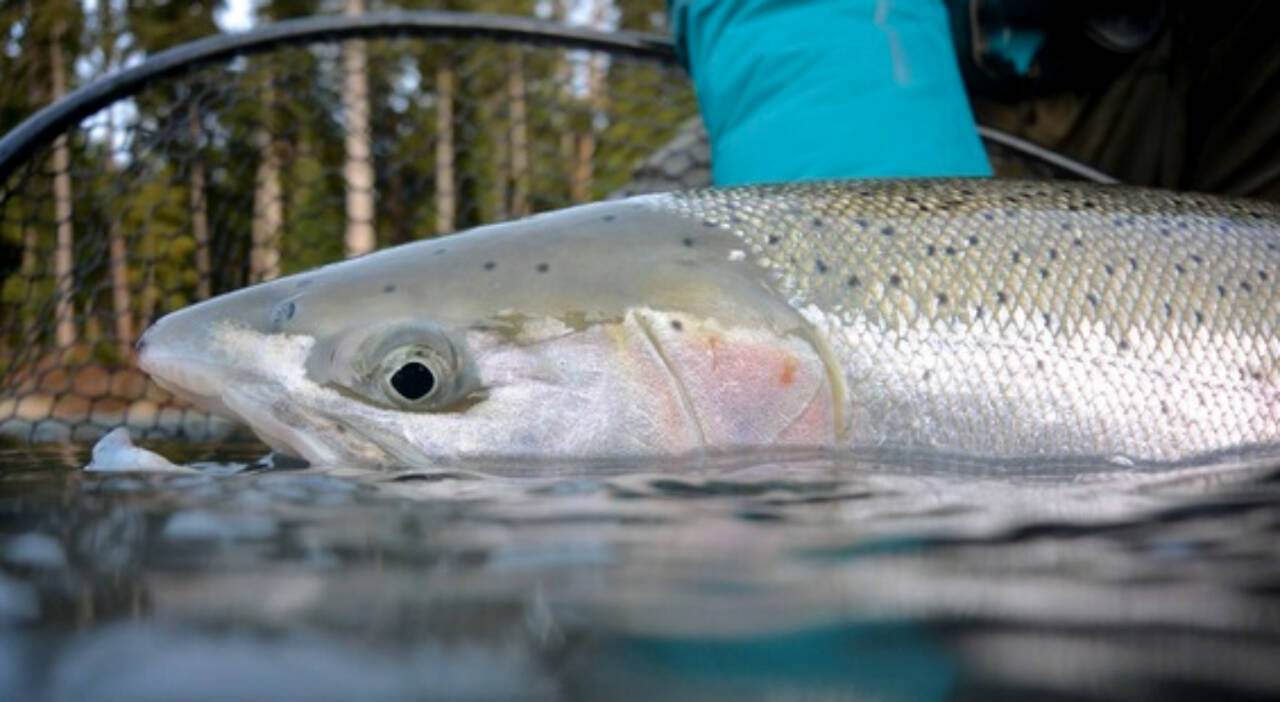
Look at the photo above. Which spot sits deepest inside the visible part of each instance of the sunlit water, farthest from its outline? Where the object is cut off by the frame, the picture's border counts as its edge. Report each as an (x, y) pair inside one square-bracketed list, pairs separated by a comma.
[(755, 578)]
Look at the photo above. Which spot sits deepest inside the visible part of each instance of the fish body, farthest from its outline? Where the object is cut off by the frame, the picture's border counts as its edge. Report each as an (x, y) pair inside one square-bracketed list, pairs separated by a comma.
[(989, 318)]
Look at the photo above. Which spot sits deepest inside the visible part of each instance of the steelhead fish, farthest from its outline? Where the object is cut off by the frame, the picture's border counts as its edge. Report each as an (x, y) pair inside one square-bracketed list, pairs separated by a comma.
[(989, 318)]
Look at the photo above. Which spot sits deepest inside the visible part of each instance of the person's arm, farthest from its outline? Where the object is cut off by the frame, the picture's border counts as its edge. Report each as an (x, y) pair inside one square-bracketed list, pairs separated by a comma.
[(808, 89)]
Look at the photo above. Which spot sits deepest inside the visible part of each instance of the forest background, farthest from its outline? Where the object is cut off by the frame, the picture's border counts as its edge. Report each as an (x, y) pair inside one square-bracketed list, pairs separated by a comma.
[(285, 160)]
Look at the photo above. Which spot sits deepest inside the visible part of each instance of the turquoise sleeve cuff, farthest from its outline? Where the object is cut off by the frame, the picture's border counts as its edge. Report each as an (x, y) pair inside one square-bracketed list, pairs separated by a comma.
[(810, 89)]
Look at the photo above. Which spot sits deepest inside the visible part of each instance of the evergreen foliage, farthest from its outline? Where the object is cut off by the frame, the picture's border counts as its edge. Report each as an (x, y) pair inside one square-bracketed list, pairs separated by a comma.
[(207, 177)]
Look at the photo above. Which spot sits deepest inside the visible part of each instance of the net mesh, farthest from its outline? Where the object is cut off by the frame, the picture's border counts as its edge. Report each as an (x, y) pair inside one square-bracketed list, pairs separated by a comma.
[(226, 174), (263, 165)]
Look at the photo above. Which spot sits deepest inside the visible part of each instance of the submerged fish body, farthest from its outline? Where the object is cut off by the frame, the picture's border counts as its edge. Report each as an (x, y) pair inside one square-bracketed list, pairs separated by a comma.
[(982, 317)]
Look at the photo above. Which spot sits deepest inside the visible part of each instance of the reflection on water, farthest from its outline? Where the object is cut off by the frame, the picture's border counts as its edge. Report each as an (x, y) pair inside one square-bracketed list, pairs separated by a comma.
[(871, 578)]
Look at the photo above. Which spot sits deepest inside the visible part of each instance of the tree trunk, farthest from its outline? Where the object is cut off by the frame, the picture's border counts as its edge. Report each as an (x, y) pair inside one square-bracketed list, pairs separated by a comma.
[(120, 295), (147, 305), (501, 156), (117, 247), (268, 204), (584, 161), (358, 171), (119, 262), (519, 127), (32, 324), (199, 207), (63, 256), (446, 189), (564, 123)]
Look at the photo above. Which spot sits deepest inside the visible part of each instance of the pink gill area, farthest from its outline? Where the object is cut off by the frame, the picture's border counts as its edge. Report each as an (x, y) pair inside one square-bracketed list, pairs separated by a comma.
[(746, 387)]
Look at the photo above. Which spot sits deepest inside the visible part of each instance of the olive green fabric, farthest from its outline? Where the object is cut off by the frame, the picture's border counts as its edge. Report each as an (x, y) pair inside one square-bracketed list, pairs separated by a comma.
[(1195, 110)]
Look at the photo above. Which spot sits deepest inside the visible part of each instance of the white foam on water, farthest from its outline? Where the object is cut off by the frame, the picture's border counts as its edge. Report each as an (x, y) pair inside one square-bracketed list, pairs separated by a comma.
[(115, 453)]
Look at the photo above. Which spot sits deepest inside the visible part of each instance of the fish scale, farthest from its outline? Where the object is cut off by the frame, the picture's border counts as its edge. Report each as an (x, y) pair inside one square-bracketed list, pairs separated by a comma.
[(1053, 318)]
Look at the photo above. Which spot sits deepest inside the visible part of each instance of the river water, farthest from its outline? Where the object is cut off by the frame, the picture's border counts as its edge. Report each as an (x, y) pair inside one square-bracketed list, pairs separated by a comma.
[(865, 577)]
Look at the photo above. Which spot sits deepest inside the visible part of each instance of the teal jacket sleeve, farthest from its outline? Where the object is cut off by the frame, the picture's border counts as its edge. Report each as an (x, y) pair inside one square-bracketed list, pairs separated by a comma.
[(807, 89)]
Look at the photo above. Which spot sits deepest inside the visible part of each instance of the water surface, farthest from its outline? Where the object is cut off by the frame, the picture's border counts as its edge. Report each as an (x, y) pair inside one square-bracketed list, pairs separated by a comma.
[(750, 578)]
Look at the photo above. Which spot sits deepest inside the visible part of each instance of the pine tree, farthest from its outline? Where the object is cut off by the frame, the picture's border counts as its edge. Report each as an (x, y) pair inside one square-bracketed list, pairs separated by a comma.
[(157, 25)]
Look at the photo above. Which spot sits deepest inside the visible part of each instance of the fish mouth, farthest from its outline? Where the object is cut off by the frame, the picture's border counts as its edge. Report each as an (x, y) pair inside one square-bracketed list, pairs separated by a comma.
[(194, 381), (205, 385), (196, 370)]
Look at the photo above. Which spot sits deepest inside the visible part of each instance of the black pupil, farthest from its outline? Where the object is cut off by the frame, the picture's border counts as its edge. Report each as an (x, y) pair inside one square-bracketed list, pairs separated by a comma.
[(413, 381)]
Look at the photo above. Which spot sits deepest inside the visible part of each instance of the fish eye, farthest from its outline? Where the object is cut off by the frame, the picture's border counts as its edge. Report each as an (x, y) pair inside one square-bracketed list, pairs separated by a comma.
[(413, 381), (417, 376), (409, 365)]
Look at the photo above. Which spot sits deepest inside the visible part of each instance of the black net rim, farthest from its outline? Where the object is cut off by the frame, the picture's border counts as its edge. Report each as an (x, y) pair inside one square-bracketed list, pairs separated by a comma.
[(54, 119), (49, 122)]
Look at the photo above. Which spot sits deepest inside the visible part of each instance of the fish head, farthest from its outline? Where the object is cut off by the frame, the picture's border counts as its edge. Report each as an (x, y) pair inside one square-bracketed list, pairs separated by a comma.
[(601, 331)]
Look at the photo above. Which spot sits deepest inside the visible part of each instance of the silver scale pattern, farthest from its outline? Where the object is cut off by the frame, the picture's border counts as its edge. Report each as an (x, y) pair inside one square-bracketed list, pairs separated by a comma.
[(1017, 318)]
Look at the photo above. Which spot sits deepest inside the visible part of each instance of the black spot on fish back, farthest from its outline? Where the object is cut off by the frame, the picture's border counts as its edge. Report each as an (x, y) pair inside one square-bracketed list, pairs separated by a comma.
[(490, 265), (283, 312), (388, 289), (543, 267)]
